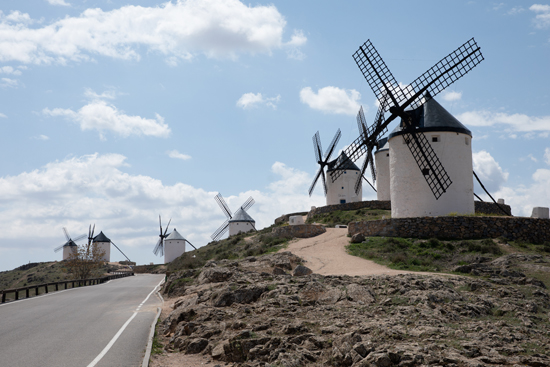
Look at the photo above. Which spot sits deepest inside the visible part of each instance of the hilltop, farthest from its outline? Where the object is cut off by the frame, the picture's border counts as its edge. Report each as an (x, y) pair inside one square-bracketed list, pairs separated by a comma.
[(486, 303)]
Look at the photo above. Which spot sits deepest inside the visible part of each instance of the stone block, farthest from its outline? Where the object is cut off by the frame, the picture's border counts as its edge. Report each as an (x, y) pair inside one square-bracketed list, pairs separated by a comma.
[(295, 220), (540, 212)]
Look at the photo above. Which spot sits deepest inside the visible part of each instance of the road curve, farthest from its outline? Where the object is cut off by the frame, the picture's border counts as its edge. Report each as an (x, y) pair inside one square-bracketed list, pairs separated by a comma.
[(72, 328)]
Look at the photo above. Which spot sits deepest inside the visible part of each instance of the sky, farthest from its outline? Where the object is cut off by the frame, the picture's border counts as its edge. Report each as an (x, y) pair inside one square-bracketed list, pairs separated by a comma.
[(115, 112)]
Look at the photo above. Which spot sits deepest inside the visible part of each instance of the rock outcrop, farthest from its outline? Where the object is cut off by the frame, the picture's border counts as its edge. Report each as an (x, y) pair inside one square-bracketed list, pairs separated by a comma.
[(248, 313)]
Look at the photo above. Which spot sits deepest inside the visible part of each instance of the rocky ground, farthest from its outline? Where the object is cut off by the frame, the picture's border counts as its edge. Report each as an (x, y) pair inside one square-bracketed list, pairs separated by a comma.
[(268, 311)]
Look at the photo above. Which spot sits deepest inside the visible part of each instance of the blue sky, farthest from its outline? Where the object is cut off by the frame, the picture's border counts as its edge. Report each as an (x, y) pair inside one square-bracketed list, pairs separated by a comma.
[(113, 112)]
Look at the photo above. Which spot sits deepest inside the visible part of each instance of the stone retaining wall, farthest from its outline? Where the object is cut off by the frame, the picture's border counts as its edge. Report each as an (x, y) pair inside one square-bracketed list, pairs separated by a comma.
[(480, 207), (299, 231), (286, 217), (533, 230), (485, 207)]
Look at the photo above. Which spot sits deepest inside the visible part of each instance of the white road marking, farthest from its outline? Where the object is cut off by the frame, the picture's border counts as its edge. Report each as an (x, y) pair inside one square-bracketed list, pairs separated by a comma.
[(106, 349)]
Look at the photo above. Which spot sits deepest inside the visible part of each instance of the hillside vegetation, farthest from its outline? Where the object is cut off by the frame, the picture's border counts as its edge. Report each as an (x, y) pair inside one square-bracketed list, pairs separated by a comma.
[(345, 216), (235, 247), (41, 273)]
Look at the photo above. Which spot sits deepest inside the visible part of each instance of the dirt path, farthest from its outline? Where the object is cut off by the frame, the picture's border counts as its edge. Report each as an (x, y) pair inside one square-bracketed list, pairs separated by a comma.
[(326, 255)]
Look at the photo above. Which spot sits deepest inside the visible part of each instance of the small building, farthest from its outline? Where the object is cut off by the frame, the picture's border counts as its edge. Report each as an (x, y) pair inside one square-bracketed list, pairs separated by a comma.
[(342, 190), (174, 246), (382, 164), (410, 194), (295, 220), (241, 222), (104, 244)]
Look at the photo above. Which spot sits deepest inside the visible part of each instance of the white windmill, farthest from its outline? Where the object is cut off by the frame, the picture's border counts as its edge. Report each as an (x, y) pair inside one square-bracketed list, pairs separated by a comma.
[(430, 152), (172, 245), (70, 246), (240, 222), (342, 190), (103, 243)]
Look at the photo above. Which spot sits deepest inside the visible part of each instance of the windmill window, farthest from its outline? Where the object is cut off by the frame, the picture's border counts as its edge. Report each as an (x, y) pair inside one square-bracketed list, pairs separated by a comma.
[(435, 138), (387, 154), (342, 187), (467, 140)]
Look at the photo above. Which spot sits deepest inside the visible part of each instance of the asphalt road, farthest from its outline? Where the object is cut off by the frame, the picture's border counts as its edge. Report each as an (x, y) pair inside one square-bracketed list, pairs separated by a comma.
[(72, 328)]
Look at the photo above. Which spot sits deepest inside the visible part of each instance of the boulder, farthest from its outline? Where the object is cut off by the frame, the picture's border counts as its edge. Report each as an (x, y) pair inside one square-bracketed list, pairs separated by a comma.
[(214, 275), (301, 270), (357, 238)]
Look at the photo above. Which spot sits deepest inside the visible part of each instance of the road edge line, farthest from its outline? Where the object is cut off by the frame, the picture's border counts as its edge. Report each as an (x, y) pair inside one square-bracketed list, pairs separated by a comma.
[(149, 348), (117, 335)]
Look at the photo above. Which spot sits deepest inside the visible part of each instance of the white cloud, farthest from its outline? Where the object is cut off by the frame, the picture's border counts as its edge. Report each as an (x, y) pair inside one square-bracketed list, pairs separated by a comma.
[(102, 116), (58, 2), (15, 17), (542, 19), (251, 100), (179, 30), (293, 46), (524, 198), (547, 156), (452, 96), (177, 155), (516, 10), (489, 172), (9, 70), (516, 122), (332, 100), (7, 82), (108, 94), (41, 137), (3, 116), (96, 189)]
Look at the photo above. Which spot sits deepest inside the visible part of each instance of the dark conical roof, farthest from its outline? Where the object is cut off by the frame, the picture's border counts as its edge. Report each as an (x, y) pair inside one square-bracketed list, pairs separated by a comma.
[(101, 238), (70, 243), (431, 116), (175, 235), (241, 216), (382, 145), (349, 165)]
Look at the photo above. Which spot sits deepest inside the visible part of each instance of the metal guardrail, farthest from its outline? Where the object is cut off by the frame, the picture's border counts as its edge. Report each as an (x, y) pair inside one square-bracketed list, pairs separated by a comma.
[(74, 283)]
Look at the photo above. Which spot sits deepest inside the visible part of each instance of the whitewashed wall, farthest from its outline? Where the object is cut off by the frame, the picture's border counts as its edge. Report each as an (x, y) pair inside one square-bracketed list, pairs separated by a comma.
[(382, 164), (237, 227), (410, 193), (67, 250), (106, 247), (173, 249), (343, 188)]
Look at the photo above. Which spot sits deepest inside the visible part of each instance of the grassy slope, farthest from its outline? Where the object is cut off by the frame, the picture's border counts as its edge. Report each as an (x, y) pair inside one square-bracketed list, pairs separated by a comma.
[(235, 247), (37, 273)]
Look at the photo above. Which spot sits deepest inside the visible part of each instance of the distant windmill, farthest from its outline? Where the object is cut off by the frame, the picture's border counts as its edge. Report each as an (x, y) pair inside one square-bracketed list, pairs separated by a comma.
[(104, 244), (159, 247), (70, 246), (341, 191), (236, 223), (174, 246)]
